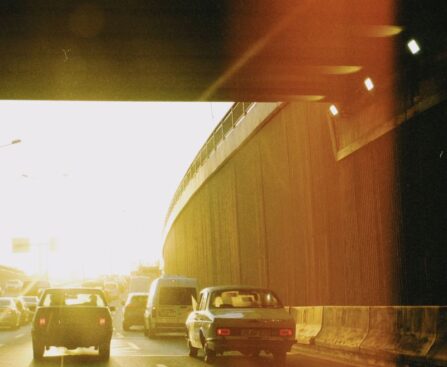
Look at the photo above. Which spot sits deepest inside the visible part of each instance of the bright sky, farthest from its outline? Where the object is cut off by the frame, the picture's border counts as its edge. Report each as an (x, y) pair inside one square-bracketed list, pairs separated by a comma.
[(97, 177)]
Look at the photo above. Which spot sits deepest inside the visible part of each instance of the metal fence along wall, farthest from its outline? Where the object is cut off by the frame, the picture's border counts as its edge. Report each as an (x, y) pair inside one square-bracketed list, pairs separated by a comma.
[(283, 212)]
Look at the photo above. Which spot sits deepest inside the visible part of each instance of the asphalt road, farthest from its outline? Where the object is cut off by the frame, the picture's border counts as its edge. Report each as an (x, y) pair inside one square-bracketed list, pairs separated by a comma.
[(132, 349)]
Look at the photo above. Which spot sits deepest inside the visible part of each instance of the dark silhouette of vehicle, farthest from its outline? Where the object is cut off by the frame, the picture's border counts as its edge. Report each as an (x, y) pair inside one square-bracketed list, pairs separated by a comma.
[(72, 318)]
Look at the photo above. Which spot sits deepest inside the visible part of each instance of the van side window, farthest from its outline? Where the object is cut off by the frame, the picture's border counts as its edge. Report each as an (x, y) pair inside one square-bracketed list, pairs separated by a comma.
[(203, 300)]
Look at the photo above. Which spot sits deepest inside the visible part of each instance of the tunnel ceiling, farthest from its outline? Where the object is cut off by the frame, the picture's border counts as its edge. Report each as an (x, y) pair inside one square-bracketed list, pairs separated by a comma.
[(191, 50)]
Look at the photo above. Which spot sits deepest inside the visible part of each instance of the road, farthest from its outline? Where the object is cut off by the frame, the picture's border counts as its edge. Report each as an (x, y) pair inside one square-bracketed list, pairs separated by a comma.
[(131, 349)]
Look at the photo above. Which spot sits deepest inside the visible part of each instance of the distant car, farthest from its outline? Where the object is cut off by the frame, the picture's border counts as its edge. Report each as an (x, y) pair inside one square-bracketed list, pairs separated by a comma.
[(72, 318), (240, 318), (169, 304), (30, 302), (25, 313), (111, 291), (10, 316), (14, 284), (133, 310)]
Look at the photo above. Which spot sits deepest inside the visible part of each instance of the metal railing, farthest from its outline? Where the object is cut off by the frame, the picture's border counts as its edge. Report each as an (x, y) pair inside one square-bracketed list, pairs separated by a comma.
[(232, 118)]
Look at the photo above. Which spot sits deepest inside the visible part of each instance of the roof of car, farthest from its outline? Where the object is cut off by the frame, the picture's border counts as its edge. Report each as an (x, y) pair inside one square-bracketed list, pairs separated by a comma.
[(232, 287), (80, 289), (131, 294)]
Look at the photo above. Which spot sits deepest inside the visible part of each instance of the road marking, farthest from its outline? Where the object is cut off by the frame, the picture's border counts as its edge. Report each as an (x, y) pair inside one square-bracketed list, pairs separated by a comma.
[(18, 336), (133, 346), (62, 360), (160, 365), (119, 335)]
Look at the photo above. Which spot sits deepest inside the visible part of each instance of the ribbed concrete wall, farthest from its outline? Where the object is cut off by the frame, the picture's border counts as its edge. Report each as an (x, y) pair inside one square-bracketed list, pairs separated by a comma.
[(283, 212)]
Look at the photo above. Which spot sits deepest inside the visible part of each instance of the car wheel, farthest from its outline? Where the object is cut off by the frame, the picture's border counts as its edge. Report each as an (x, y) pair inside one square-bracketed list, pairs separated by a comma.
[(104, 351), (192, 350), (126, 326), (145, 330), (151, 333), (210, 355), (38, 350), (16, 325), (280, 358)]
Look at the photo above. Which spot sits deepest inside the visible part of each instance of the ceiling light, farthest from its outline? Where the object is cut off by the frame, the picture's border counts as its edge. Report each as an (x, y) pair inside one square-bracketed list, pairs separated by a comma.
[(334, 110), (369, 85), (413, 46)]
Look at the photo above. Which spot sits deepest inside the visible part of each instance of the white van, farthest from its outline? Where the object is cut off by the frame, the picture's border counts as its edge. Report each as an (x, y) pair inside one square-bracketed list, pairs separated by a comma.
[(169, 304)]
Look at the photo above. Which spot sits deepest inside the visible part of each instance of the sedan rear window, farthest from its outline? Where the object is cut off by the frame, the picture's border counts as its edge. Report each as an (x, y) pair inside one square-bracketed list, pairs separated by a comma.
[(176, 296), (5, 303), (244, 298), (73, 298)]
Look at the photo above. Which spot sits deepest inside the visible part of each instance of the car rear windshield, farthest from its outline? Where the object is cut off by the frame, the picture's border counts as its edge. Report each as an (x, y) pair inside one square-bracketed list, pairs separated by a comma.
[(30, 299), (73, 298), (138, 300), (176, 296), (5, 302), (244, 298)]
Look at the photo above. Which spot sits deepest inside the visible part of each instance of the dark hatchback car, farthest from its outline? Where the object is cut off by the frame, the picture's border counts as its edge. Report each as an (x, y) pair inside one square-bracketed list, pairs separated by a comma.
[(72, 318), (133, 310)]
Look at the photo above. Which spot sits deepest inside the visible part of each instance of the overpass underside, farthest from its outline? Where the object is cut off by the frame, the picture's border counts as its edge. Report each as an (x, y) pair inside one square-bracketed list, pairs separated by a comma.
[(292, 210), (331, 207)]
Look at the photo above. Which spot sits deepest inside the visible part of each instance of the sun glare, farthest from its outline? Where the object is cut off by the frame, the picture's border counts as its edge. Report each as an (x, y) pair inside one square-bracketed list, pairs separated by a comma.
[(94, 179)]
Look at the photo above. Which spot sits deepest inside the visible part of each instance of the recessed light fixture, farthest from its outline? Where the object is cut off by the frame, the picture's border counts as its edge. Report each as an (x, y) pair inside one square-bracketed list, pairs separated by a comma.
[(413, 46), (334, 110), (369, 85)]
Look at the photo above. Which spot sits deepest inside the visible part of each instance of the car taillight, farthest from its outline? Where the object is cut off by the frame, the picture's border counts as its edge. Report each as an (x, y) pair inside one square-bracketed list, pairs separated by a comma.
[(42, 321), (223, 332), (102, 321), (285, 332)]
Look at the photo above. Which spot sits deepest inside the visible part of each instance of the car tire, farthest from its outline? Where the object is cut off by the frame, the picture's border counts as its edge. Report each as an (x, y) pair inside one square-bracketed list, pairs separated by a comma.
[(192, 350), (104, 351), (279, 358), (16, 326), (209, 354), (151, 333), (38, 350), (145, 330)]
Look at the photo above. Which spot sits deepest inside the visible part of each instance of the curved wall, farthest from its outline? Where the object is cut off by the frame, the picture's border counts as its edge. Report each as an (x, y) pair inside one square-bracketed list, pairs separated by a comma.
[(285, 212)]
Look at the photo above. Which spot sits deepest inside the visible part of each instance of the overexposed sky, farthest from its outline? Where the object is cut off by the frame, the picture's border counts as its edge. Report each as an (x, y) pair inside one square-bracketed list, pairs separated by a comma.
[(95, 176)]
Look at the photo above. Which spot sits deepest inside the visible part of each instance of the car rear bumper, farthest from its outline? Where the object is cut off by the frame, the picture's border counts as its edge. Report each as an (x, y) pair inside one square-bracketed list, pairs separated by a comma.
[(252, 344), (169, 327), (73, 338)]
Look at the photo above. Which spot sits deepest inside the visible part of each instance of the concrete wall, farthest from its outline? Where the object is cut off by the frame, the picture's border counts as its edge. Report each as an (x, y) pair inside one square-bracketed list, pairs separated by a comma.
[(284, 212)]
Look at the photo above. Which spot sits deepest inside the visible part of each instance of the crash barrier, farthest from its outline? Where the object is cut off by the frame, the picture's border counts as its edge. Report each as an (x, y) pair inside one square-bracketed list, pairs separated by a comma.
[(308, 323), (390, 333), (343, 327)]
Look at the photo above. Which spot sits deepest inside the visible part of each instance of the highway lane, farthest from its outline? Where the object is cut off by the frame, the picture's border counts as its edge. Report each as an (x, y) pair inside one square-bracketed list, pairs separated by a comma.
[(131, 349)]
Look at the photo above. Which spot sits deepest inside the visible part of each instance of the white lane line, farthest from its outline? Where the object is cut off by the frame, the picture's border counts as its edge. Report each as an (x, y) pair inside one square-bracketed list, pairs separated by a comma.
[(62, 360), (133, 346), (160, 365), (18, 336)]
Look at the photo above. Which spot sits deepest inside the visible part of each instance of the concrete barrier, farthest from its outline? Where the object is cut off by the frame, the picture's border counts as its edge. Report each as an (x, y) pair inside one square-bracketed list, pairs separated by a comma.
[(401, 331), (343, 328), (382, 338), (308, 323), (438, 352), (403, 335)]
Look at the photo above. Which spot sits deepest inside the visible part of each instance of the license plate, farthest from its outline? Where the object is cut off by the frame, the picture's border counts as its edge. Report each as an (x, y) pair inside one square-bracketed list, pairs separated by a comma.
[(251, 332), (168, 313)]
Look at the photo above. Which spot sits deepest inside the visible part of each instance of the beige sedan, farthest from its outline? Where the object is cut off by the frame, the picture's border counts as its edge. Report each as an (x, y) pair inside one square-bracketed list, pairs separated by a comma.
[(240, 318)]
